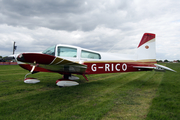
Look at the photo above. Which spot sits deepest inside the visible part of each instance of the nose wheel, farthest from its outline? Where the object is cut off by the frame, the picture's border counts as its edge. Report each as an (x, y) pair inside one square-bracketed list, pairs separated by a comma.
[(31, 80)]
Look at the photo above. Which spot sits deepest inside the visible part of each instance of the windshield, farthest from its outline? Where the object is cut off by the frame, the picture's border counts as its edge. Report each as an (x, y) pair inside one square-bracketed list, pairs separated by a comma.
[(50, 51)]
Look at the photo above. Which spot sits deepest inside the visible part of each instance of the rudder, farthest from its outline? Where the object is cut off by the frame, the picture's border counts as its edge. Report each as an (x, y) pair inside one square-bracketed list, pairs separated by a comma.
[(146, 49)]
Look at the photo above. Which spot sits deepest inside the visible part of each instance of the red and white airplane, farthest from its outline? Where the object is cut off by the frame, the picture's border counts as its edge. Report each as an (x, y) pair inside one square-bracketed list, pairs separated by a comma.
[(68, 60)]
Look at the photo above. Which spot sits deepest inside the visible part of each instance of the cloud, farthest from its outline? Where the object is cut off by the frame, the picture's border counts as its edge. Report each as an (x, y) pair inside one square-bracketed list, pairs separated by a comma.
[(59, 15), (111, 25), (65, 15), (28, 39)]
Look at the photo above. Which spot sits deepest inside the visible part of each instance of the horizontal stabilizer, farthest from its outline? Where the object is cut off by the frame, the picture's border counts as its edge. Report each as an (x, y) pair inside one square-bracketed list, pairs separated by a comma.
[(144, 67), (156, 67), (161, 67)]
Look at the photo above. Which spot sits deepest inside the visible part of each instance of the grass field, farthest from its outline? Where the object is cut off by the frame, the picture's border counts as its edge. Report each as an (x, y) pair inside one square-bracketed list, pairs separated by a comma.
[(132, 96)]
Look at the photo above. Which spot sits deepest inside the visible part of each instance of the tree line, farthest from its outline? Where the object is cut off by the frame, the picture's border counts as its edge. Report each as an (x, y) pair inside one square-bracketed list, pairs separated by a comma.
[(168, 61)]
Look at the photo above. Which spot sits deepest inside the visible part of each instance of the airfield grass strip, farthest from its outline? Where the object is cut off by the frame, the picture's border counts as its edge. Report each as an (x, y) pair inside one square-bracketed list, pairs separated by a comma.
[(137, 95), (135, 98), (166, 106), (61, 102), (87, 101), (98, 102), (78, 106)]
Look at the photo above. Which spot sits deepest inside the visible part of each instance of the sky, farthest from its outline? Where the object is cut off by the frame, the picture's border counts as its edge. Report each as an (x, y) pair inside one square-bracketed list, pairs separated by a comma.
[(114, 26)]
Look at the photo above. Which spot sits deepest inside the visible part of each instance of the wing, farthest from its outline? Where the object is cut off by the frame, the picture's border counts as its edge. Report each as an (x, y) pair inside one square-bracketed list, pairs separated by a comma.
[(155, 67), (52, 63)]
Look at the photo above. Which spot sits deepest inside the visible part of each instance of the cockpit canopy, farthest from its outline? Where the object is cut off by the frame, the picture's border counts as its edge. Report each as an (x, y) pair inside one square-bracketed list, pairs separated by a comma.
[(66, 51), (71, 52)]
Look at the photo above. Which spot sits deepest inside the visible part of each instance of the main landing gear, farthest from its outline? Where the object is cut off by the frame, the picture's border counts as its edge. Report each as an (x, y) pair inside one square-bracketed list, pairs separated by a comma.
[(66, 81)]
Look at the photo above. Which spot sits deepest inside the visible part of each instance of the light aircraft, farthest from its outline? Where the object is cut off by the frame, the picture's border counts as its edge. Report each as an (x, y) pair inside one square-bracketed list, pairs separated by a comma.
[(68, 60)]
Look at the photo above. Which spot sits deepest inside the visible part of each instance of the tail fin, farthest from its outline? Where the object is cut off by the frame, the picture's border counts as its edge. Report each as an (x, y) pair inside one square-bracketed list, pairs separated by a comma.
[(146, 49)]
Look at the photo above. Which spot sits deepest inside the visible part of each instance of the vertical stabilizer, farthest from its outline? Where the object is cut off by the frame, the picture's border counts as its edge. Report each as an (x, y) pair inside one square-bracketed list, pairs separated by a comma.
[(146, 49)]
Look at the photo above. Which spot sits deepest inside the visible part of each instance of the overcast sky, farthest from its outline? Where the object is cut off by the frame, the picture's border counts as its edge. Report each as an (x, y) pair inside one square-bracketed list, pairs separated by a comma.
[(100, 25)]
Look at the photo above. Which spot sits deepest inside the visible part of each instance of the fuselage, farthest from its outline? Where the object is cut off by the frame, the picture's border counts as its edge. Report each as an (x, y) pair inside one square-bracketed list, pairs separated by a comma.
[(96, 62)]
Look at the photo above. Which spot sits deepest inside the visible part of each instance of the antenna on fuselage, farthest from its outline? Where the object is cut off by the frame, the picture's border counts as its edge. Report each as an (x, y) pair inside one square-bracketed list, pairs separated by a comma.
[(112, 47)]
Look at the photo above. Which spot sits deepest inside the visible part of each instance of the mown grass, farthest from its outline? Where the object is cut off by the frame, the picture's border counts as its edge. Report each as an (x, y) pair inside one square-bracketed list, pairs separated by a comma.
[(166, 106), (137, 95)]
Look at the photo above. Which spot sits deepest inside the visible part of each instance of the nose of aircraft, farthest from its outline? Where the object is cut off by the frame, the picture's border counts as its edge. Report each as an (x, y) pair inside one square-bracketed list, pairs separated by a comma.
[(20, 57)]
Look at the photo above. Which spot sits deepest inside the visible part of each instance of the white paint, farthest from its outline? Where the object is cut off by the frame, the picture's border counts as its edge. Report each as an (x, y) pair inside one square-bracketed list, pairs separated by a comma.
[(93, 67), (72, 77), (124, 67), (31, 80), (159, 67), (150, 53), (109, 67), (100, 67), (66, 83), (112, 67), (116, 67), (33, 68)]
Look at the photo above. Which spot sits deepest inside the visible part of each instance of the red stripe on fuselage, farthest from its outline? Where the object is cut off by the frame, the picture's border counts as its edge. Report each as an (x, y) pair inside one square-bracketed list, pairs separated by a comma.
[(99, 68)]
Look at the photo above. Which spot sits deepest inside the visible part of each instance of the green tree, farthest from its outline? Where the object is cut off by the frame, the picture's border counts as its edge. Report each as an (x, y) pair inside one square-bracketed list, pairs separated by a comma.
[(166, 61), (160, 61)]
